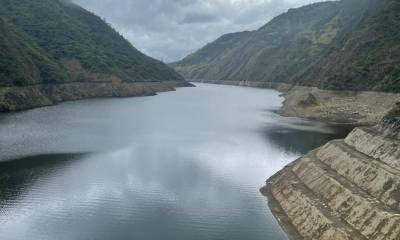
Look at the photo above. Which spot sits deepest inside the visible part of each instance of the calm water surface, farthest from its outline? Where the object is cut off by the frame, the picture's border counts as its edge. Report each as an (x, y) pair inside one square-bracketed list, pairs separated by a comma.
[(182, 165)]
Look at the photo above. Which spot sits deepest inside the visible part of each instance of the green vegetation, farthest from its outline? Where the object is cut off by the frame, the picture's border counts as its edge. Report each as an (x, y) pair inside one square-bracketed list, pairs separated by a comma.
[(348, 44), (23, 63), (48, 41), (392, 80)]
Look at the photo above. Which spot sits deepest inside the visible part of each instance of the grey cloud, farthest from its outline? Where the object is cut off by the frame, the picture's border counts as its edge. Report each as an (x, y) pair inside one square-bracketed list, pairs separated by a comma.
[(196, 17), (171, 29)]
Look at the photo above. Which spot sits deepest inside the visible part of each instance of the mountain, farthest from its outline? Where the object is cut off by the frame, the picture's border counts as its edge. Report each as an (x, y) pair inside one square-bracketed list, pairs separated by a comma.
[(57, 41), (347, 44), (59, 48)]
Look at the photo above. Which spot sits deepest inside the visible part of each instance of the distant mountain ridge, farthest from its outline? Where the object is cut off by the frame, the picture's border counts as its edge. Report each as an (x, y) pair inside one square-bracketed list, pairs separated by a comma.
[(347, 44), (56, 41)]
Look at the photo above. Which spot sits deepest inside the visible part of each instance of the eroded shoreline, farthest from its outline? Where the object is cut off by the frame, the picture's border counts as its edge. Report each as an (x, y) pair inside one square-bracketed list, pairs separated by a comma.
[(347, 189), (23, 98), (335, 107)]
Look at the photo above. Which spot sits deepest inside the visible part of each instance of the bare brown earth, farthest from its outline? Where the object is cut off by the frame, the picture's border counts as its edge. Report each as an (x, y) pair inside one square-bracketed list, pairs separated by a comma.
[(347, 189), (351, 107), (21, 98), (343, 107)]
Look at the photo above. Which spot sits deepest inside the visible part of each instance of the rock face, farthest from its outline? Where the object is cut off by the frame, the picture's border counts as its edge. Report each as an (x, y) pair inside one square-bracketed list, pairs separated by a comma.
[(347, 189)]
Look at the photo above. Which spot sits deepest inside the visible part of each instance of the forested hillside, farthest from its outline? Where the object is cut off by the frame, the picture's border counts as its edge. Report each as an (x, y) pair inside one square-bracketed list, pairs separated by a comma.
[(22, 62), (54, 41)]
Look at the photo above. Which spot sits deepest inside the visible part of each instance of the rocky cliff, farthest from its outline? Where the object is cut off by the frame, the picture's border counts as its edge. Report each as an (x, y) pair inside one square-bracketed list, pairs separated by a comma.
[(347, 189)]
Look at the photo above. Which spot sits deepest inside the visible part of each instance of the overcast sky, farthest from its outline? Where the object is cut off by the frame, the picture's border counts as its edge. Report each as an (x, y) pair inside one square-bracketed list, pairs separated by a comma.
[(171, 29)]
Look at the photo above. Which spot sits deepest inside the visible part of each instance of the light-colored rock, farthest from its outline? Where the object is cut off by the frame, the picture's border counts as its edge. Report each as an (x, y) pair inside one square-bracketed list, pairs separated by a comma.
[(350, 107), (375, 145), (344, 190), (373, 176)]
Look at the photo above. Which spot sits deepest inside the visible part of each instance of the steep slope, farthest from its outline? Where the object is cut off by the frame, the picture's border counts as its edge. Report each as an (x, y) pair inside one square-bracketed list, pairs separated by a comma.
[(347, 189), (215, 61), (368, 57), (54, 50), (68, 33), (302, 45), (21, 62)]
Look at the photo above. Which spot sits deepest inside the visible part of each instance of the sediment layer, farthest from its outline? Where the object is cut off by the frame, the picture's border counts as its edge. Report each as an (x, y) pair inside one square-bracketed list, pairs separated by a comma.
[(21, 98), (347, 189)]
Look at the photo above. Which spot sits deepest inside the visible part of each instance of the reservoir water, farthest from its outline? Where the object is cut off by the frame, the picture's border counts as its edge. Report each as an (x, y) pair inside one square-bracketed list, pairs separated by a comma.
[(181, 165)]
